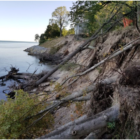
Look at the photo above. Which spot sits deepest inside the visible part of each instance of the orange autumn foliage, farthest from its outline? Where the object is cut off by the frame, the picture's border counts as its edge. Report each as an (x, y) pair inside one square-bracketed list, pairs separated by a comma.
[(127, 22)]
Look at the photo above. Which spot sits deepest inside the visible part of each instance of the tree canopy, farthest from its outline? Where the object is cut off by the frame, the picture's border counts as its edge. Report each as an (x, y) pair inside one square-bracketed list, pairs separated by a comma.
[(51, 31), (60, 17), (70, 31), (95, 13), (37, 37)]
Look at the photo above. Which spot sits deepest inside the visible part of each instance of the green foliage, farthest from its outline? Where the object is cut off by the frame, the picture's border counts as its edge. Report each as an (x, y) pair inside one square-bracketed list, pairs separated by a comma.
[(68, 66), (60, 17), (56, 24), (85, 11), (52, 31), (53, 50), (95, 13), (64, 32), (71, 31), (111, 125), (42, 39), (13, 113)]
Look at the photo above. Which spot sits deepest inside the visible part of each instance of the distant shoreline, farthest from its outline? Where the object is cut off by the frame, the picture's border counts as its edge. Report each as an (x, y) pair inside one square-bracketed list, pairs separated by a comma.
[(17, 41)]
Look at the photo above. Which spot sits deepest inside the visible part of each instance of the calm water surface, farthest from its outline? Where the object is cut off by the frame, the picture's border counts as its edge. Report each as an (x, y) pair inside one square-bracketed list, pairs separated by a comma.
[(12, 54)]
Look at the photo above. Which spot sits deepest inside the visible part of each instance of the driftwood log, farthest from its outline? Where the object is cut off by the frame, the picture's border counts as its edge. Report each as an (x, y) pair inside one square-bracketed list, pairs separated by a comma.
[(84, 125)]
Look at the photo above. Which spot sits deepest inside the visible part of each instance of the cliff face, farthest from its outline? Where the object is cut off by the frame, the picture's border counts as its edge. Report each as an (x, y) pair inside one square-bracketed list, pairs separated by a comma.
[(97, 49), (117, 67)]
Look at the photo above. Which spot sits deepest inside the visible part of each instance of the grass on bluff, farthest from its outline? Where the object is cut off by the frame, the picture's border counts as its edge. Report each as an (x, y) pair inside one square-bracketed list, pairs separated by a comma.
[(52, 42), (69, 66)]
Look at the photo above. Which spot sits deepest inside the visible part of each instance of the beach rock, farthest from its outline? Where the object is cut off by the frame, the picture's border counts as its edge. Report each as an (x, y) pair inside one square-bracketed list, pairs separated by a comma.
[(35, 50), (53, 58)]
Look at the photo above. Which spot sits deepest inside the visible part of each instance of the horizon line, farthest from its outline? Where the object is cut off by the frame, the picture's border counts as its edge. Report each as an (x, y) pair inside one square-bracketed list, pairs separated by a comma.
[(17, 41)]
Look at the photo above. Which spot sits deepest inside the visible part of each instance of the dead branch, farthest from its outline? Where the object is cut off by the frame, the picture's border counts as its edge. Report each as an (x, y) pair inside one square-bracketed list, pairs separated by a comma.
[(126, 47), (96, 134), (75, 95), (84, 125), (28, 66), (91, 136), (83, 98), (94, 36)]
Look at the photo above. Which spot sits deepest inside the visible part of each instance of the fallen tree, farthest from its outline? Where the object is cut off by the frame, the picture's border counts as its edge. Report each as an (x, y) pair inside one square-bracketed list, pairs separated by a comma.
[(84, 125), (86, 43), (75, 96), (116, 53), (80, 48)]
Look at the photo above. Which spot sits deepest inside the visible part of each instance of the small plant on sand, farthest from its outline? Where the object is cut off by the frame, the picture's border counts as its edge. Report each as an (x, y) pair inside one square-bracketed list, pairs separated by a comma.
[(111, 125), (61, 90), (57, 87), (79, 108)]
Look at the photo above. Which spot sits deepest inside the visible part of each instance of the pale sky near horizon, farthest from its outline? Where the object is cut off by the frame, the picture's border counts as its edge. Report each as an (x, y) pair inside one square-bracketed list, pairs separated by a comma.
[(21, 20)]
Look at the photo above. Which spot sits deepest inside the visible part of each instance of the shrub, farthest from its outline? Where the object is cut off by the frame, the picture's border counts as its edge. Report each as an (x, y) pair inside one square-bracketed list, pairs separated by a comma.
[(42, 39), (13, 113)]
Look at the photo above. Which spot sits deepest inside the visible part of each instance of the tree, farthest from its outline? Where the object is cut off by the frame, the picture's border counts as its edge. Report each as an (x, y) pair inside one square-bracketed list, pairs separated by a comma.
[(64, 32), (60, 17), (71, 31), (52, 31), (84, 12), (80, 48), (94, 13), (42, 38), (55, 30), (37, 37)]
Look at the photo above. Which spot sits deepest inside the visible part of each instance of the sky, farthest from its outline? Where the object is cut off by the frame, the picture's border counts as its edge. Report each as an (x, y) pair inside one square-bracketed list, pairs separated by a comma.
[(21, 20)]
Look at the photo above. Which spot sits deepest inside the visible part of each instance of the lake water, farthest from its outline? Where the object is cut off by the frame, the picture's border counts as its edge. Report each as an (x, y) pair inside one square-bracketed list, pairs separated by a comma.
[(12, 54)]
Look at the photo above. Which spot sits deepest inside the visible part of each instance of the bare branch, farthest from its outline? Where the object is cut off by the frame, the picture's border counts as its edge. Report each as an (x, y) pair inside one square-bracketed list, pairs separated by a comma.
[(126, 47), (84, 125), (76, 51)]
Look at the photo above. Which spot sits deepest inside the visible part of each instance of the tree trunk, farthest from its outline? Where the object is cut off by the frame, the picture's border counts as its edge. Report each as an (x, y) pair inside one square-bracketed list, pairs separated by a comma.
[(60, 31), (77, 94), (84, 125), (126, 47), (64, 61), (80, 47)]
